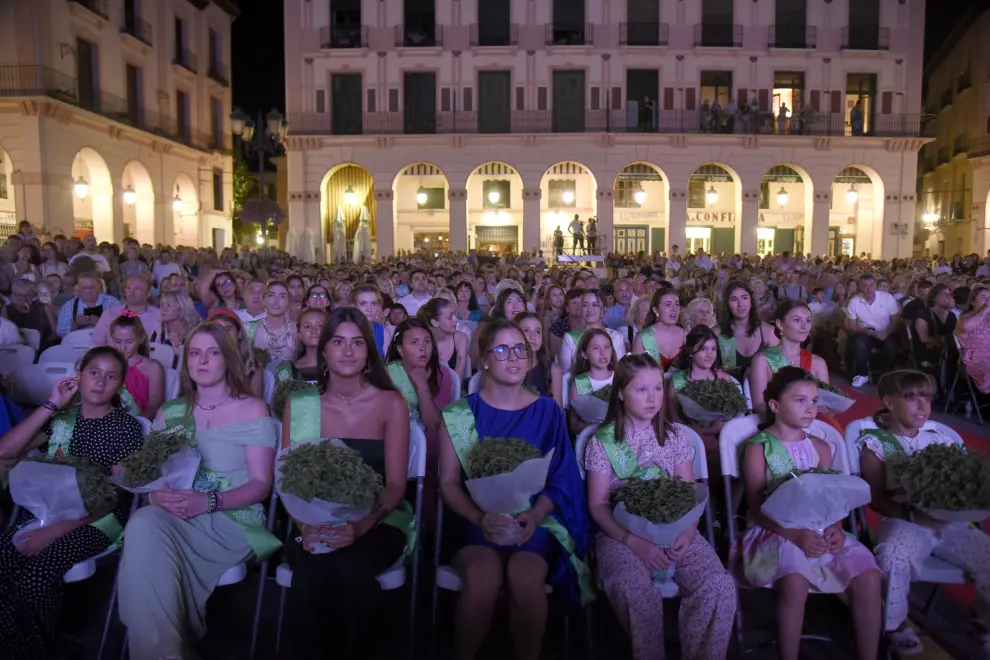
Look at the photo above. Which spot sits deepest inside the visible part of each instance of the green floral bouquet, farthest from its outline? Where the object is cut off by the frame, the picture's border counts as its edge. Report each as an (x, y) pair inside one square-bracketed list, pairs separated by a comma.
[(777, 482), (166, 459), (491, 457), (708, 401), (283, 391), (945, 481)]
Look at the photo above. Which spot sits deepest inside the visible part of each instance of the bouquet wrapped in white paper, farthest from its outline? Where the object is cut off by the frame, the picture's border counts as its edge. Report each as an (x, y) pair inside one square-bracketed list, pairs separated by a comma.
[(510, 478), (833, 399), (708, 401), (165, 460), (815, 500), (324, 482), (666, 508), (946, 482), (593, 407), (54, 490)]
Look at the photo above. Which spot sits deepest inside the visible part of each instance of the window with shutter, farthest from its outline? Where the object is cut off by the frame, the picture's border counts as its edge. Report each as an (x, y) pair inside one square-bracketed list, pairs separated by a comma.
[(886, 103), (371, 100), (393, 100), (445, 99), (816, 100), (836, 104), (668, 98), (321, 101), (520, 98), (596, 98), (689, 98), (541, 98), (468, 99), (616, 98)]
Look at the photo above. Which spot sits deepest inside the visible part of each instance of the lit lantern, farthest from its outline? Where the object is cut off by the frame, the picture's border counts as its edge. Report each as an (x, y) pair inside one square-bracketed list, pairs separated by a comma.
[(129, 196), (81, 188), (421, 196), (350, 197), (640, 196), (782, 197), (711, 197)]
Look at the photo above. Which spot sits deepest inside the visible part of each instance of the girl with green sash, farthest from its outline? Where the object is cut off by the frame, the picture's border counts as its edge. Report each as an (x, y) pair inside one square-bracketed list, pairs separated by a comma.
[(793, 561), (742, 334), (335, 598), (178, 547), (415, 371), (594, 317), (308, 328), (31, 572), (906, 536), (593, 371), (237, 332), (634, 443), (554, 545), (662, 337)]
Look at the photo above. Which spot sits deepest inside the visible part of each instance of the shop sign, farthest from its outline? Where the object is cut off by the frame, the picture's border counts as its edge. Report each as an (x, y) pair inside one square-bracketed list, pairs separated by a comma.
[(711, 217)]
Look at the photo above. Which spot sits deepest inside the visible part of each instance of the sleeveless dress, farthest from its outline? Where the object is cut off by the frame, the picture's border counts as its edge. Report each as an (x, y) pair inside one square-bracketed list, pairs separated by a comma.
[(776, 360), (138, 387), (538, 380), (649, 341), (761, 557), (733, 361)]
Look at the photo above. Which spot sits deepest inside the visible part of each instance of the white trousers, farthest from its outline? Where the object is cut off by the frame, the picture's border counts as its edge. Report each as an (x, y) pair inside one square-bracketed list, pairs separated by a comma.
[(902, 547)]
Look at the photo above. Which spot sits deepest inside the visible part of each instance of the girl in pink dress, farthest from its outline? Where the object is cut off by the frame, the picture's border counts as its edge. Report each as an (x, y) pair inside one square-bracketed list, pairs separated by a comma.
[(635, 442), (144, 382), (973, 331), (790, 560)]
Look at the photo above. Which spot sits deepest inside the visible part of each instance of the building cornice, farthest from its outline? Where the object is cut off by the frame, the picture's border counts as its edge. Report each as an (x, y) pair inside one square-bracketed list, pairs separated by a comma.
[(227, 6)]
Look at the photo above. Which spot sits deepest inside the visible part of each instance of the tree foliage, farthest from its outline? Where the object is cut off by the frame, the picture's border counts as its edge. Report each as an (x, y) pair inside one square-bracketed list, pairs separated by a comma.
[(245, 187)]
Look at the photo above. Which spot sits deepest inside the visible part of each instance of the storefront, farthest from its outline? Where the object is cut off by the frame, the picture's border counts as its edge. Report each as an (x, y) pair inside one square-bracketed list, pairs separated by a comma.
[(711, 231), (431, 240), (497, 240)]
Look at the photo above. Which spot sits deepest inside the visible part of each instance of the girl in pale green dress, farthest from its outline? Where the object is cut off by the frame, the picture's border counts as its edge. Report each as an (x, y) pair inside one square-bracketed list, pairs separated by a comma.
[(177, 548)]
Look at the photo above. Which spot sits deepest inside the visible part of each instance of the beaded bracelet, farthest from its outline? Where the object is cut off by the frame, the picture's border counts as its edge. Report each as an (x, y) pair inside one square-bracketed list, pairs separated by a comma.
[(211, 502), (48, 405)]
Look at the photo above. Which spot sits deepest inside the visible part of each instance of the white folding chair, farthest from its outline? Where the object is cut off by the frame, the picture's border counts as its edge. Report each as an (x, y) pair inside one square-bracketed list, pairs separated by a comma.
[(32, 383), (32, 337), (163, 354), (475, 383), (961, 372), (394, 577), (81, 337), (455, 382), (565, 389), (747, 393), (13, 356), (63, 353), (269, 386), (145, 424), (467, 366), (171, 383)]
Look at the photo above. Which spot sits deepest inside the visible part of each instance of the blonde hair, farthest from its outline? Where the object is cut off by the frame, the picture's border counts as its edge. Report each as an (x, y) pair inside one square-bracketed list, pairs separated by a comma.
[(188, 314), (692, 312), (237, 378)]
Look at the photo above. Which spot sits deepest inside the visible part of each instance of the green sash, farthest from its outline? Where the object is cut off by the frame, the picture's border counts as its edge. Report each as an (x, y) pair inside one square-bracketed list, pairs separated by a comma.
[(463, 431), (679, 380), (576, 336), (63, 425), (250, 329), (305, 424), (727, 348), (623, 458), (891, 445), (778, 458), (283, 371), (401, 380), (583, 385), (129, 403), (251, 524), (649, 341), (776, 359)]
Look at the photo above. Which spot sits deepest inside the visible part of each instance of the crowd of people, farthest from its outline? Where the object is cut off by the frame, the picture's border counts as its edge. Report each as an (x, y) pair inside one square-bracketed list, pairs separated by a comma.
[(388, 344)]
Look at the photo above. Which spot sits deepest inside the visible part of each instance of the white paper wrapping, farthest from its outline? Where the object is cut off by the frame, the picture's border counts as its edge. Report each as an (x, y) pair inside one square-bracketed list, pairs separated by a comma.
[(178, 473), (948, 515), (505, 493), (815, 501), (49, 491), (832, 401), (694, 411), (590, 408)]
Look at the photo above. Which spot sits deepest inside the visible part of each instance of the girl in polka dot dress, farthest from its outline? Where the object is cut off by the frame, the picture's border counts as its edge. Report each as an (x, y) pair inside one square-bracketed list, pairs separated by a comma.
[(31, 572)]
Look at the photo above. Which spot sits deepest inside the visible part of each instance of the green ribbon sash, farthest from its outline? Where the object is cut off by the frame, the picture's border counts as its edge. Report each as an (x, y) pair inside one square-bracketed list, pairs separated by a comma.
[(251, 520), (284, 371), (583, 385), (401, 380), (623, 458), (778, 458), (649, 340), (576, 336), (891, 445), (63, 426), (776, 359), (679, 380), (250, 329), (727, 348), (463, 431), (305, 424), (129, 402)]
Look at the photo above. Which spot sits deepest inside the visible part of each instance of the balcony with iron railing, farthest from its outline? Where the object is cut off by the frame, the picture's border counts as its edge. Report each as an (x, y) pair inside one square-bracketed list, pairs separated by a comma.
[(186, 59), (99, 7), (644, 34), (564, 33), (418, 36), (494, 34), (792, 36), (139, 29), (333, 37), (865, 37), (17, 81), (718, 35), (219, 72)]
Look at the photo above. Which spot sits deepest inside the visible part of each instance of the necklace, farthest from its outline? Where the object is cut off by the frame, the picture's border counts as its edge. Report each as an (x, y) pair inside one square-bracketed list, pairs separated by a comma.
[(348, 399), (211, 408)]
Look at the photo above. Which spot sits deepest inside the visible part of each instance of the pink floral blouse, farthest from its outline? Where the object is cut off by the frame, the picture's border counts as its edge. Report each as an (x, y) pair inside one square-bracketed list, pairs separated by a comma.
[(649, 452)]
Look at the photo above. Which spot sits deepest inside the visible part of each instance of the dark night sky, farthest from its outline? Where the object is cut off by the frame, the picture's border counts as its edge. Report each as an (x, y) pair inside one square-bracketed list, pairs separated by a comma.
[(259, 53)]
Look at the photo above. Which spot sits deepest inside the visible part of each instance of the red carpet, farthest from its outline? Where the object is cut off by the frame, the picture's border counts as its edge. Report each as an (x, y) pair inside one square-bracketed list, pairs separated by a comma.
[(865, 406)]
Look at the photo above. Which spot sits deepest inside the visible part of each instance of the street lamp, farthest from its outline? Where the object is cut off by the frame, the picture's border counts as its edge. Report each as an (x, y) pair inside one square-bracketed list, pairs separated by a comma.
[(177, 203), (782, 197), (81, 188), (930, 218), (568, 197), (350, 197), (421, 196), (852, 195), (640, 196), (711, 197), (264, 138), (493, 196), (129, 196)]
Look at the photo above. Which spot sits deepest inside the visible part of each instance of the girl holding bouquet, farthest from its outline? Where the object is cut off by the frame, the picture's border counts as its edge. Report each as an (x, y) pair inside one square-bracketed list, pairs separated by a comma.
[(238, 332), (741, 334), (594, 317), (634, 442), (96, 428), (178, 548), (593, 370), (555, 531), (544, 377), (662, 336), (440, 316), (414, 368), (906, 536), (144, 382), (790, 560), (355, 401), (308, 328)]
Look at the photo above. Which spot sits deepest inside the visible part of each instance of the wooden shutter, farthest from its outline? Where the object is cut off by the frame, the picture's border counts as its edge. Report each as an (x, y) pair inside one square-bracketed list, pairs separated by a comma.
[(668, 98), (886, 103), (321, 101), (541, 98), (596, 101), (741, 96), (445, 99), (836, 101), (467, 99), (520, 98), (765, 100), (816, 99), (371, 100), (689, 94), (616, 98), (393, 100)]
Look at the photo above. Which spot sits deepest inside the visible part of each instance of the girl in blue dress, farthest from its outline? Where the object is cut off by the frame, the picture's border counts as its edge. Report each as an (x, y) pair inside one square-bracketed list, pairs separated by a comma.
[(556, 527)]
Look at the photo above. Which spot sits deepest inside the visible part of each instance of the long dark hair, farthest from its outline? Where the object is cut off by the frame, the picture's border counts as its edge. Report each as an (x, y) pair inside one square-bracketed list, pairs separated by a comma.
[(581, 363), (625, 371), (699, 335), (779, 384), (498, 309), (542, 355), (658, 295), (753, 322), (783, 309), (110, 352), (934, 293), (374, 368), (472, 301), (393, 354)]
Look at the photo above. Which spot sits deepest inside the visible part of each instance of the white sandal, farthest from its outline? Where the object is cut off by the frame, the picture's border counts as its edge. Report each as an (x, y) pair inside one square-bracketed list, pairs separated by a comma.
[(904, 642)]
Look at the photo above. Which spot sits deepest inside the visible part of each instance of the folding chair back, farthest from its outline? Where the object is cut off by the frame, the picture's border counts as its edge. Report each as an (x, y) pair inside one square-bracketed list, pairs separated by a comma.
[(32, 383), (565, 390), (581, 444), (269, 385), (475, 383), (171, 383), (63, 353), (32, 337), (163, 354), (747, 393), (455, 382), (13, 356), (81, 337)]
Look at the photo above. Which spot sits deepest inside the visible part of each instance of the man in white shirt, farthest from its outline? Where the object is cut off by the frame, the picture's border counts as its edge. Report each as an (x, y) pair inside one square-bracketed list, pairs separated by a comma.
[(165, 267), (137, 292), (85, 310), (871, 317), (984, 269), (254, 302), (417, 296), (701, 260), (89, 250)]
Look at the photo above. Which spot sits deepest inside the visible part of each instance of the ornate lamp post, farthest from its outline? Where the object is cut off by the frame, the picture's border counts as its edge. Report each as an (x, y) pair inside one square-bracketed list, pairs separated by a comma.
[(263, 138)]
